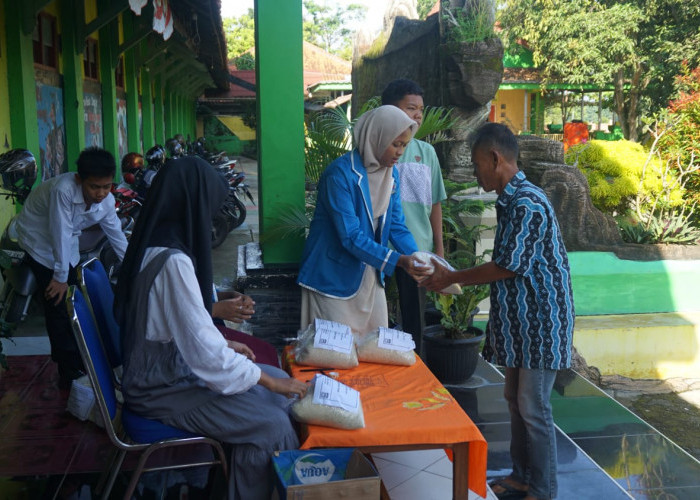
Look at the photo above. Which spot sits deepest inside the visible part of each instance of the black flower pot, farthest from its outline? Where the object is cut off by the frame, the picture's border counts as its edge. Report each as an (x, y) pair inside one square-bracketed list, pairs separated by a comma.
[(452, 361)]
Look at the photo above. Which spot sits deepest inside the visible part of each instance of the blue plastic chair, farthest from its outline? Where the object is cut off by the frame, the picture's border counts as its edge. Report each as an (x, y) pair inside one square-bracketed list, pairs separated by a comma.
[(139, 434), (96, 286)]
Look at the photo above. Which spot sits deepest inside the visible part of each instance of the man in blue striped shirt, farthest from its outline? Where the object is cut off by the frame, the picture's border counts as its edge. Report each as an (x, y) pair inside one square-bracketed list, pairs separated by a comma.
[(531, 320)]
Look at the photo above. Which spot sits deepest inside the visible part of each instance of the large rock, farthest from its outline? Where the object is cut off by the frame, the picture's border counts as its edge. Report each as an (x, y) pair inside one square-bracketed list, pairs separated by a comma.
[(583, 226), (457, 165), (474, 72)]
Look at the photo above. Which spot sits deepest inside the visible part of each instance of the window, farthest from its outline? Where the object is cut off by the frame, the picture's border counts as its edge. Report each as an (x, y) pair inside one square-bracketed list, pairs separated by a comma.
[(119, 73), (45, 41), (90, 59)]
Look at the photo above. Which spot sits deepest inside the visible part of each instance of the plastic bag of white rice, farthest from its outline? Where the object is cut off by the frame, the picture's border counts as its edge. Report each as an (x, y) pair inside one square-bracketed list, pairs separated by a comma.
[(425, 259), (330, 403), (387, 346), (326, 344)]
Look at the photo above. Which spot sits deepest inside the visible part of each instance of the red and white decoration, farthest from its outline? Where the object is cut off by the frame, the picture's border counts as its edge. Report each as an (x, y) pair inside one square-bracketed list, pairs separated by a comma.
[(162, 15)]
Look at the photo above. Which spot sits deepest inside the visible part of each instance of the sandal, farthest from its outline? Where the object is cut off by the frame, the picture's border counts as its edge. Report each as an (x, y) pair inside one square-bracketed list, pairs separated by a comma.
[(509, 492)]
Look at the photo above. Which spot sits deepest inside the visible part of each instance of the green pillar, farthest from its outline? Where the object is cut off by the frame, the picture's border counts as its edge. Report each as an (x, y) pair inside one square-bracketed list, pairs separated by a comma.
[(146, 108), (20, 80), (133, 142), (537, 113), (177, 112), (73, 17), (158, 111), (169, 112), (108, 63), (278, 47)]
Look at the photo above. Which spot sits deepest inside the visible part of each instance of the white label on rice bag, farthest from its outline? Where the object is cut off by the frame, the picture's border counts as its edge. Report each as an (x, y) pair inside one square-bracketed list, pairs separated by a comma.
[(395, 340), (330, 392), (332, 325), (333, 336)]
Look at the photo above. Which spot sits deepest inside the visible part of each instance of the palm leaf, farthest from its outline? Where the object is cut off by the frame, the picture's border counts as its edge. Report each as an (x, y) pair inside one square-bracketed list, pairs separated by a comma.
[(436, 122)]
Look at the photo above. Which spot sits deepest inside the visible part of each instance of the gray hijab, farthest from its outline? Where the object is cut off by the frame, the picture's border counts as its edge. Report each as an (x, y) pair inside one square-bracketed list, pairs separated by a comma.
[(374, 132)]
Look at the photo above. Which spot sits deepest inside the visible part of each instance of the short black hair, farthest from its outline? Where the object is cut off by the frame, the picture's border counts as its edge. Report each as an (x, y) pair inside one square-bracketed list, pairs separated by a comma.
[(398, 89), (496, 136), (96, 162)]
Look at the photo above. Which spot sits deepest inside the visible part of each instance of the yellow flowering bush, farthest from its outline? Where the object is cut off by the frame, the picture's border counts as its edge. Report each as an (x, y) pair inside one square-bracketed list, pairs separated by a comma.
[(622, 172)]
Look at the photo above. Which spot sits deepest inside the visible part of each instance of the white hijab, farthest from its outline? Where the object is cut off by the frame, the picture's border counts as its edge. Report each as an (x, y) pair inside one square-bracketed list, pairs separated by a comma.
[(374, 131)]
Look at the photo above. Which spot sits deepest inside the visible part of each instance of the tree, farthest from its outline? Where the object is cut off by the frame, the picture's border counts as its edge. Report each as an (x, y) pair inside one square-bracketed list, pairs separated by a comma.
[(240, 34), (636, 46), (425, 6), (244, 61), (327, 26)]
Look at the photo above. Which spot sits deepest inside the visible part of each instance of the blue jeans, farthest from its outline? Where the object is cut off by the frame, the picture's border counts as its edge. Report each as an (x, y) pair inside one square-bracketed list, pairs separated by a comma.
[(533, 446)]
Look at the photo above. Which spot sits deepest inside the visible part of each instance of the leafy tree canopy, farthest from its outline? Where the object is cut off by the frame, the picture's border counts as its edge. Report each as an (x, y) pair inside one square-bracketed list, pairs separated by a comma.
[(328, 26), (637, 46), (240, 34), (425, 6), (325, 24)]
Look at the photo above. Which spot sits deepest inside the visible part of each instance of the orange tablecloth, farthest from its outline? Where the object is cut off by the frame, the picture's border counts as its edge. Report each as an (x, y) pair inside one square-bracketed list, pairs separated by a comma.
[(403, 406)]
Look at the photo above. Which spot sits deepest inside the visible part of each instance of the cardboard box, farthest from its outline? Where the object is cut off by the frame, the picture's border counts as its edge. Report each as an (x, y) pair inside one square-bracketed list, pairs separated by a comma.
[(324, 474)]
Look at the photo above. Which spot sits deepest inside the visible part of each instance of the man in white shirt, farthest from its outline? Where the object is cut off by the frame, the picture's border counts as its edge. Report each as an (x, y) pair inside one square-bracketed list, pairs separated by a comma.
[(52, 219)]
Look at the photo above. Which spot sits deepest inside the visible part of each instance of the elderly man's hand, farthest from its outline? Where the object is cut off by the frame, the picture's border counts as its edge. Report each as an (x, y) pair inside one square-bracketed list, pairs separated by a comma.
[(440, 279)]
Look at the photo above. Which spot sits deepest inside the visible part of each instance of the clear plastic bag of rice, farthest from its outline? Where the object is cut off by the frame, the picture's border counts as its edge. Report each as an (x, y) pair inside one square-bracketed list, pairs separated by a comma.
[(326, 344), (330, 403), (387, 346), (426, 259)]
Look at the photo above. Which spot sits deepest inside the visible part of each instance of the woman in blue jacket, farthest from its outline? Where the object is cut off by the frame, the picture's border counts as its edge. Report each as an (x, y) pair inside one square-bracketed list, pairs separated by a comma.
[(358, 213)]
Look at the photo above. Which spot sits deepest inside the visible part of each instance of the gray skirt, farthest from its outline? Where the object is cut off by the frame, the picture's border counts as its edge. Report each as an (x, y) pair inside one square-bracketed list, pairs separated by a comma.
[(257, 423)]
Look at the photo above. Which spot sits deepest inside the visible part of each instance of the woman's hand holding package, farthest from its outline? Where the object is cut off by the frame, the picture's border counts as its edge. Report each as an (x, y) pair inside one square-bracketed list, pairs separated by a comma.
[(238, 309), (416, 268), (286, 386)]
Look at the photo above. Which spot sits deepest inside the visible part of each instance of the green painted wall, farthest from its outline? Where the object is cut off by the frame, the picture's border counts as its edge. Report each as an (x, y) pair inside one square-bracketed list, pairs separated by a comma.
[(7, 208), (72, 16), (278, 47), (605, 284)]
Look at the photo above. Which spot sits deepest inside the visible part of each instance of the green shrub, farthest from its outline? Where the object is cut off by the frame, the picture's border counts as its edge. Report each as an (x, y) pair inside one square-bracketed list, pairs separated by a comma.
[(621, 172), (669, 228)]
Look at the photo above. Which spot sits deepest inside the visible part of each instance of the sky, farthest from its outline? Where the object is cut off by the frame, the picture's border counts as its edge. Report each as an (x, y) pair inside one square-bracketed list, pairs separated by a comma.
[(373, 18)]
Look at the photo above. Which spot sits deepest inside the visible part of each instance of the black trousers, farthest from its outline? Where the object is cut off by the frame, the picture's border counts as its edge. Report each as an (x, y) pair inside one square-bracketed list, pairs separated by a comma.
[(64, 349), (412, 306)]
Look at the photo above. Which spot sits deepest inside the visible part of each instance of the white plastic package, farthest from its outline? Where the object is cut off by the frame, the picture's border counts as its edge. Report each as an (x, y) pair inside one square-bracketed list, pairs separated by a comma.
[(425, 258), (387, 346), (330, 403), (326, 344)]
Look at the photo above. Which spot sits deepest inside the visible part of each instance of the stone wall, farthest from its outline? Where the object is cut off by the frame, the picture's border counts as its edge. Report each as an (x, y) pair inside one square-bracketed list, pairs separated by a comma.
[(464, 77)]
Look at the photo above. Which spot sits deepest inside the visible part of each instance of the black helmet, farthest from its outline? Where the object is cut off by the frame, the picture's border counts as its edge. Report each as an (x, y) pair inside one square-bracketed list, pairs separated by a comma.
[(18, 171), (132, 162), (155, 157), (175, 149)]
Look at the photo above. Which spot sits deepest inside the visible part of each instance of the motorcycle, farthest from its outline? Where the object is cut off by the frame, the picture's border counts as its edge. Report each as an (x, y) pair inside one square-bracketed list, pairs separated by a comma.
[(233, 213)]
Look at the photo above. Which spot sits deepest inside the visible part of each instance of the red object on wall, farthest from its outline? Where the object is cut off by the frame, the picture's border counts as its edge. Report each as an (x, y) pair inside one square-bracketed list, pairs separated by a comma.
[(492, 113), (575, 133)]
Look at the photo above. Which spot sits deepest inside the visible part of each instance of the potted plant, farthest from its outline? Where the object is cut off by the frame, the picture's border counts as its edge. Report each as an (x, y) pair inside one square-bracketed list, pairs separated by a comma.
[(451, 348)]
